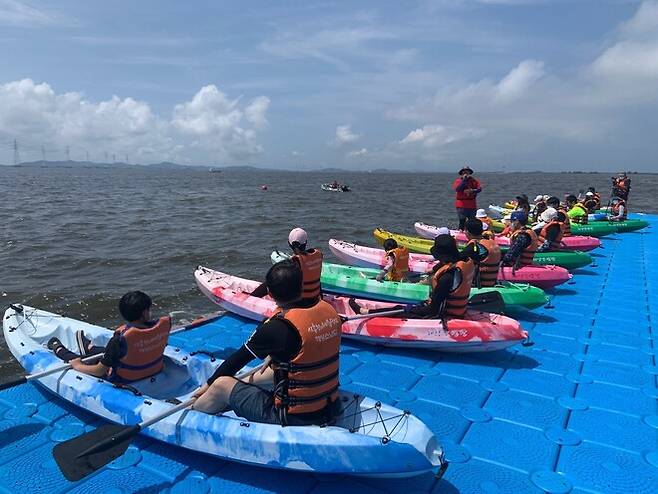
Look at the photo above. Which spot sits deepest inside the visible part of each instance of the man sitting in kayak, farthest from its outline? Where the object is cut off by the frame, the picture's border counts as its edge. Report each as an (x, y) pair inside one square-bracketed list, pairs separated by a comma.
[(300, 387), (484, 252), (397, 262), (523, 242), (618, 210), (310, 262), (450, 283), (562, 217), (549, 231), (134, 352)]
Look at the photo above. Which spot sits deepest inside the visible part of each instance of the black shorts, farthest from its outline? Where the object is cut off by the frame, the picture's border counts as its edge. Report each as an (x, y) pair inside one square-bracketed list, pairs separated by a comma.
[(256, 404)]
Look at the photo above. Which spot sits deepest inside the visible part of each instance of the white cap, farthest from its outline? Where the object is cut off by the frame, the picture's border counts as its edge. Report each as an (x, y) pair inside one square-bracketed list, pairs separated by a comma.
[(297, 235), (481, 213), (589, 194), (547, 197), (548, 215), (539, 198), (443, 231)]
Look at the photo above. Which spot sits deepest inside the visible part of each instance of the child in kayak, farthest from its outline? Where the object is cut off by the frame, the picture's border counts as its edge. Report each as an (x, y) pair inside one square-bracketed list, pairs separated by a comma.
[(549, 231), (484, 252), (310, 262), (577, 211), (481, 215), (134, 352), (300, 387), (523, 243), (397, 262), (450, 285)]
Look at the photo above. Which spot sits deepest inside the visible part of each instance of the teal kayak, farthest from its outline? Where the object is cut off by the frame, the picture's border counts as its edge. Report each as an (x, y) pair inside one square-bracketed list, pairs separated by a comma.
[(361, 282)]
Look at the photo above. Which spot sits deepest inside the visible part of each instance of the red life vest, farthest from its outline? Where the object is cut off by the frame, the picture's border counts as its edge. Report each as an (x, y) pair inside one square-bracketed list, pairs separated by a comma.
[(309, 381), (557, 243), (462, 199), (528, 254), (488, 267), (400, 264), (310, 263), (457, 300), (144, 351)]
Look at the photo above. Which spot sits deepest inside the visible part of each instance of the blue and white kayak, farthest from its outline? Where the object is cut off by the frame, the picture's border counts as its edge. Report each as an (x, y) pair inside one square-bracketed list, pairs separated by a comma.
[(500, 212), (368, 438)]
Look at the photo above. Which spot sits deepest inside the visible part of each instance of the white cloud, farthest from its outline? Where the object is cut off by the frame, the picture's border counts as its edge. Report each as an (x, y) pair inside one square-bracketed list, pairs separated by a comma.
[(520, 79), (344, 134), (209, 126), (15, 13), (437, 135), (358, 152)]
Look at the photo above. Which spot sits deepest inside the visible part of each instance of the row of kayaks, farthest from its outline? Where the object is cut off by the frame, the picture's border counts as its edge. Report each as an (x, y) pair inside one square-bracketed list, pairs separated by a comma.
[(597, 225), (367, 438)]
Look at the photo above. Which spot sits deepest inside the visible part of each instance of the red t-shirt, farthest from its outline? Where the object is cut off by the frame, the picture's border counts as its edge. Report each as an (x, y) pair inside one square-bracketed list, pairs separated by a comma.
[(462, 199)]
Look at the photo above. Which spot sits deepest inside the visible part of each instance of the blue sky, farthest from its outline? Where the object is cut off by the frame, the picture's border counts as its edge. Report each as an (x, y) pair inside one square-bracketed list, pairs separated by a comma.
[(513, 84)]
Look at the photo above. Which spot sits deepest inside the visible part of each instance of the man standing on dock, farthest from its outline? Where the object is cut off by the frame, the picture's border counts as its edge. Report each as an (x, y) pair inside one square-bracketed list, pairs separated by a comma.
[(466, 188)]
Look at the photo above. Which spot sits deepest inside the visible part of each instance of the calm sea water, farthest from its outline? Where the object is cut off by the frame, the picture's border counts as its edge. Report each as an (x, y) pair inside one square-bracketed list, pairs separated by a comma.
[(74, 240)]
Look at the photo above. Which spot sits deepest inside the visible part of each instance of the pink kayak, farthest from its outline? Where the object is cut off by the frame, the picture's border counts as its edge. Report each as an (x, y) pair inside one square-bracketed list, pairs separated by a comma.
[(481, 332), (369, 257), (574, 242)]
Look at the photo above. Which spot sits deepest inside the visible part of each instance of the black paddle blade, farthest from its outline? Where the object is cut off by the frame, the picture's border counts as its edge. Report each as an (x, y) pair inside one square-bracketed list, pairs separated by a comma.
[(487, 302), (82, 455)]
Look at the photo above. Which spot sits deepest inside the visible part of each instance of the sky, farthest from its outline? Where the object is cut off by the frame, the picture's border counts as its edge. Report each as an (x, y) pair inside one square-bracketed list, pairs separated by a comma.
[(420, 85)]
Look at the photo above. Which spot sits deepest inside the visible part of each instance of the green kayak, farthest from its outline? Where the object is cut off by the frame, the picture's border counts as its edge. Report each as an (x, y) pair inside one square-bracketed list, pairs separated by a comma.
[(592, 229), (629, 225), (361, 282), (568, 259)]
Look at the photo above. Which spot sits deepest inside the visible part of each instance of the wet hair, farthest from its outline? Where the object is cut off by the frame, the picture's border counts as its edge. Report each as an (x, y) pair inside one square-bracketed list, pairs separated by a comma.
[(297, 246), (591, 189), (473, 226), (284, 281), (133, 304), (390, 244), (553, 201), (571, 198)]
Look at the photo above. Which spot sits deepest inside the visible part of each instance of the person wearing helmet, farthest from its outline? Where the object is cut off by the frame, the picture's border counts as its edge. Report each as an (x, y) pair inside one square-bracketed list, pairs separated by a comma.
[(397, 262), (590, 202), (450, 280), (596, 196), (549, 231), (618, 209), (621, 186), (466, 188), (485, 253), (481, 215), (523, 242), (310, 262), (577, 211)]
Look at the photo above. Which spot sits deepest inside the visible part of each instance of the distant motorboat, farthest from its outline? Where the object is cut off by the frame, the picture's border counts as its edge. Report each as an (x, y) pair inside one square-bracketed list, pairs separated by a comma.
[(335, 188)]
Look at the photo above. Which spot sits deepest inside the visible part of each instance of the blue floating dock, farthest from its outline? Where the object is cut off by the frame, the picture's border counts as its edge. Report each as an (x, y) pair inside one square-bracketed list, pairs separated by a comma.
[(577, 412)]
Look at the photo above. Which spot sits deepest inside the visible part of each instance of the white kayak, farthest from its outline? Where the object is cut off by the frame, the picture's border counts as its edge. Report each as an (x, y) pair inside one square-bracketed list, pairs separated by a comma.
[(368, 438)]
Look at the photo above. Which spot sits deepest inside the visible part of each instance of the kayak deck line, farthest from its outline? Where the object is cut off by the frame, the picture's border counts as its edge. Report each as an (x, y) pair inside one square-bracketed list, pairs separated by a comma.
[(577, 411)]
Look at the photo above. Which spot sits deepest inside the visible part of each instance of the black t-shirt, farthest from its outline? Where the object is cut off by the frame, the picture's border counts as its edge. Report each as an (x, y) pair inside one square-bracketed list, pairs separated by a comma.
[(275, 337), (114, 351)]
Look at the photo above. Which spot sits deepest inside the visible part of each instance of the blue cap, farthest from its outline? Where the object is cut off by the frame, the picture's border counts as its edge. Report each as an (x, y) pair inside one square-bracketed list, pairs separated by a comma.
[(519, 216)]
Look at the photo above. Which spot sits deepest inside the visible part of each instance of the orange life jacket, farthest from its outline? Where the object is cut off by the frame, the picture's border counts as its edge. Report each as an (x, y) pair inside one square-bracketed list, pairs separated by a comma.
[(457, 300), (597, 198), (555, 244), (144, 351), (565, 222), (309, 381), (400, 264), (527, 256), (311, 264), (488, 267), (616, 206)]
